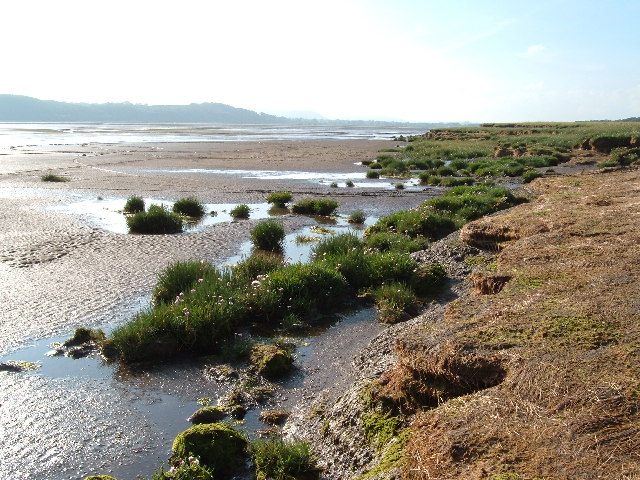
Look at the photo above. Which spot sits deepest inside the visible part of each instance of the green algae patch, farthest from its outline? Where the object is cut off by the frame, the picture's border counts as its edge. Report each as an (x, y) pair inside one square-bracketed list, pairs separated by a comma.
[(218, 446), (392, 458), (380, 428)]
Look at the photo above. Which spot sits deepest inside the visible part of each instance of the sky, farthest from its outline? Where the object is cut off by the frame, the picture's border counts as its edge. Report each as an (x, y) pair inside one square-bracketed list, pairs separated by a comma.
[(405, 60)]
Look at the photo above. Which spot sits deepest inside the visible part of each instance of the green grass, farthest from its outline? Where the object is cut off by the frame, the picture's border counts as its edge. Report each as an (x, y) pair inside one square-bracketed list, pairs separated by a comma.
[(278, 459), (50, 177), (268, 235), (303, 290), (134, 204), (259, 263), (189, 207), (531, 175), (442, 215), (179, 277), (337, 244), (395, 301), (157, 220), (279, 199), (455, 181), (196, 322), (310, 206), (240, 211), (389, 241), (357, 217), (372, 174), (626, 156)]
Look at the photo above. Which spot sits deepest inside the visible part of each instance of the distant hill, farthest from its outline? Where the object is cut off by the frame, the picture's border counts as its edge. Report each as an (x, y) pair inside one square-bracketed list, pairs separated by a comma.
[(19, 108)]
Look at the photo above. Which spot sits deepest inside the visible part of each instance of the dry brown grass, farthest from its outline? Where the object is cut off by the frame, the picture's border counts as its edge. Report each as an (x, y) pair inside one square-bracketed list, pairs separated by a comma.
[(565, 329)]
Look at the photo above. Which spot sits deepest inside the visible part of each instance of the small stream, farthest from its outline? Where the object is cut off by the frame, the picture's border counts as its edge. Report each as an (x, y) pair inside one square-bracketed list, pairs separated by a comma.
[(68, 419)]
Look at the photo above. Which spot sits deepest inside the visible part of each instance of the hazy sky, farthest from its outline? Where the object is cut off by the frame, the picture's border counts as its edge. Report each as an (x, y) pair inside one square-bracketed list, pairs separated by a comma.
[(414, 60)]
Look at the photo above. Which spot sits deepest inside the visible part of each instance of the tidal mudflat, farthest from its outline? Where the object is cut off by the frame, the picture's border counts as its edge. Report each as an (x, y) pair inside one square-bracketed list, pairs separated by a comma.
[(63, 264)]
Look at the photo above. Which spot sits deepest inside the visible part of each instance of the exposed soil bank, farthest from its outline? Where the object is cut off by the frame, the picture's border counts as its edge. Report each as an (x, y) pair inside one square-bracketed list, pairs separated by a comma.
[(535, 375)]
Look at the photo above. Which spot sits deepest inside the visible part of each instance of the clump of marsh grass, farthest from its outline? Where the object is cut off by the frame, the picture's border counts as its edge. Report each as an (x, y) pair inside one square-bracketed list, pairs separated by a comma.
[(358, 217), (531, 175), (178, 278), (257, 265), (240, 211), (279, 199), (278, 459), (442, 215), (395, 302), (309, 206), (134, 204), (189, 207), (50, 177), (157, 220), (268, 235), (398, 242)]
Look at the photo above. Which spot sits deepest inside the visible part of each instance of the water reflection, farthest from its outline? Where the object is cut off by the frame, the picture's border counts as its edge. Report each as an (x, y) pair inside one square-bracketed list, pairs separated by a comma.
[(106, 213), (334, 179)]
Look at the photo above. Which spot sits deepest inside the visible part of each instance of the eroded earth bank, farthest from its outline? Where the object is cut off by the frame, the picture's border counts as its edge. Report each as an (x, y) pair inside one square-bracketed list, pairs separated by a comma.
[(531, 371)]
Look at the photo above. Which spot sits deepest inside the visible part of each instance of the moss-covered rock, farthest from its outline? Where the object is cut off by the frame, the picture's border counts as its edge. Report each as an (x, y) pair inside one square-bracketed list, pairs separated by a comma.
[(270, 360), (273, 417), (208, 415), (100, 477), (218, 446)]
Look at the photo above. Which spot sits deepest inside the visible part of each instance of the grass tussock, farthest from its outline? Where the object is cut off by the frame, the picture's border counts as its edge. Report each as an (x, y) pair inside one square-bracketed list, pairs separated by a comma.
[(279, 459), (189, 207), (134, 204), (178, 278), (309, 206), (157, 220), (279, 199), (442, 215), (50, 177), (241, 211), (268, 235)]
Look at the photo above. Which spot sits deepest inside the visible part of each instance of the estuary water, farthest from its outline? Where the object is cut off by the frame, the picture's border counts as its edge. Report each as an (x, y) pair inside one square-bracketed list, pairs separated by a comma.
[(20, 135)]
